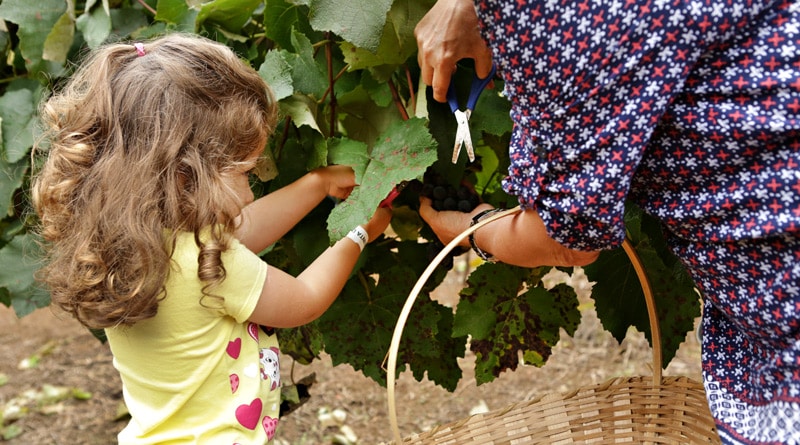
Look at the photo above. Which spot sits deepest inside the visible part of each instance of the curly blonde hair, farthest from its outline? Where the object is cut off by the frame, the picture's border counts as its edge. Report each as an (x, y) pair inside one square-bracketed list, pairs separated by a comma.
[(138, 147)]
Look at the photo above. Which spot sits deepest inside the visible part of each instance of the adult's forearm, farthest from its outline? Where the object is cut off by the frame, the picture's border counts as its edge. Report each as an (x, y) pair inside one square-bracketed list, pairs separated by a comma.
[(522, 240)]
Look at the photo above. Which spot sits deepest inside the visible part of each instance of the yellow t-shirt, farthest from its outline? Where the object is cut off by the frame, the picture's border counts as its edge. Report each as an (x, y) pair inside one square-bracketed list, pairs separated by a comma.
[(201, 373)]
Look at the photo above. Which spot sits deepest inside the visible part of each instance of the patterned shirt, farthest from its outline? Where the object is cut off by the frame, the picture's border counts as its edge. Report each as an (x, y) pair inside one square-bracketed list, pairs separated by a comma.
[(691, 109)]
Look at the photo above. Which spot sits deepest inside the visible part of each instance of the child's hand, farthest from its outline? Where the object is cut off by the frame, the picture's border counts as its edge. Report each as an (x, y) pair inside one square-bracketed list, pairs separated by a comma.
[(338, 180), (378, 223)]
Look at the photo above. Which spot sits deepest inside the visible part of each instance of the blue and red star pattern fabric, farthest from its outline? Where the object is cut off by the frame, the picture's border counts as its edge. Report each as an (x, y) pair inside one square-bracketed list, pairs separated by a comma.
[(691, 109)]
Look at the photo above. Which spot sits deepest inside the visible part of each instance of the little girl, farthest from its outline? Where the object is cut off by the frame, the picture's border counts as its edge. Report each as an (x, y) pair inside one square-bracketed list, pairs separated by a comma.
[(152, 231)]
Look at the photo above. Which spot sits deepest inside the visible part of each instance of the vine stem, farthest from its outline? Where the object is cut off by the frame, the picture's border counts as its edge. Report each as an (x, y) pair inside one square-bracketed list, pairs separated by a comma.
[(147, 7), (411, 89), (335, 78), (397, 101), (284, 138), (331, 82)]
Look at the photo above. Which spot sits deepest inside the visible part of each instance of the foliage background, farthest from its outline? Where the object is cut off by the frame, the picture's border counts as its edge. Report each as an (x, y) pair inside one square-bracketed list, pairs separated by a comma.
[(346, 76)]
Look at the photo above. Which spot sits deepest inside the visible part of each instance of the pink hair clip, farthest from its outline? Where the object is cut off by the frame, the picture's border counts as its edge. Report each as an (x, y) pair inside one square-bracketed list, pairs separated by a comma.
[(139, 48)]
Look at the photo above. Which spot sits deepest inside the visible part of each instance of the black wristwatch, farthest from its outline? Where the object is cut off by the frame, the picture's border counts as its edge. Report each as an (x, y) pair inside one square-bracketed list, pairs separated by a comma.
[(486, 256)]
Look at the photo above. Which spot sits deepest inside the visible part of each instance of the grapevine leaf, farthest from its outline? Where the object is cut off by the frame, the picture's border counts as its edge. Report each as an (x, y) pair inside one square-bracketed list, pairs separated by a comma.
[(371, 315), (229, 14), (378, 91), (303, 343), (18, 109), (126, 21), (397, 41), (11, 179), (176, 12), (491, 112), (431, 349), (302, 109), (59, 40), (507, 310), (20, 260), (281, 17), (401, 153), (344, 151), (365, 120), (363, 340), (360, 23), (406, 222), (277, 73), (618, 292), (307, 75), (95, 25), (35, 24)]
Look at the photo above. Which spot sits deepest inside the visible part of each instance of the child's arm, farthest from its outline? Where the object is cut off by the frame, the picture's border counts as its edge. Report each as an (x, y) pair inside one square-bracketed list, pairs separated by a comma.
[(287, 301), (270, 217)]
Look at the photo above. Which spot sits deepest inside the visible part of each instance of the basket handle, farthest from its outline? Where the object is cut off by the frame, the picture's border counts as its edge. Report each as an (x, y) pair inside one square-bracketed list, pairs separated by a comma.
[(394, 346)]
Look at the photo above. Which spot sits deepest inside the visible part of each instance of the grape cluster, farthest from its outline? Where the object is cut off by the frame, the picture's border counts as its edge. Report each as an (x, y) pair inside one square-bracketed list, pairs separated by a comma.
[(448, 197), (444, 197)]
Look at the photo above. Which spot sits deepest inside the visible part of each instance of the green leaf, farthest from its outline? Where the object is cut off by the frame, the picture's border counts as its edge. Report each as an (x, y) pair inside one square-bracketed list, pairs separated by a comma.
[(491, 113), (20, 259), (125, 22), (59, 40), (303, 343), (35, 24), (507, 310), (307, 76), (618, 295), (177, 12), (397, 41), (231, 15), (360, 23), (11, 180), (346, 151), (402, 153), (371, 315), (302, 109), (18, 111), (282, 18), (95, 26), (277, 73), (365, 120)]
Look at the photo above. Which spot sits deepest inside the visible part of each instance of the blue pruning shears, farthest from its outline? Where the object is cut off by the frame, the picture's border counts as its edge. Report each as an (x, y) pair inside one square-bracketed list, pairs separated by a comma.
[(463, 136)]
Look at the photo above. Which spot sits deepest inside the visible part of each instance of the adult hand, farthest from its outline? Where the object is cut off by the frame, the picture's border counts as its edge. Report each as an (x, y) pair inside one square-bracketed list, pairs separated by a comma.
[(448, 33), (447, 224)]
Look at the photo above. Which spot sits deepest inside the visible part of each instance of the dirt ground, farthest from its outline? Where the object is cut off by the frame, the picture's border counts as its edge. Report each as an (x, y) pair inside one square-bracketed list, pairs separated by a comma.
[(57, 384)]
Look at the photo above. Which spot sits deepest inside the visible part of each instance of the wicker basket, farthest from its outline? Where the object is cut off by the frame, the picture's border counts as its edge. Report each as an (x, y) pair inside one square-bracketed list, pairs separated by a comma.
[(642, 409)]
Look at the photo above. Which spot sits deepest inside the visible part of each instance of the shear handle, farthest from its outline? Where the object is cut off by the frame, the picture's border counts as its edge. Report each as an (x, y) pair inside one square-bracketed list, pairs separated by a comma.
[(475, 90)]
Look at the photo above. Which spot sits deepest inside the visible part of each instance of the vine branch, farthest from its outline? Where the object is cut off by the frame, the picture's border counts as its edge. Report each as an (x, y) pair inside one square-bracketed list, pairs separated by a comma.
[(331, 82), (397, 101)]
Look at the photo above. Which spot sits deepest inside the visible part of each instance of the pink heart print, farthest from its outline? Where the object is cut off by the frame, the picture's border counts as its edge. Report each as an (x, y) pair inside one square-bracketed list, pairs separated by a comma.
[(234, 348), (234, 382), (252, 329), (248, 415), (270, 426)]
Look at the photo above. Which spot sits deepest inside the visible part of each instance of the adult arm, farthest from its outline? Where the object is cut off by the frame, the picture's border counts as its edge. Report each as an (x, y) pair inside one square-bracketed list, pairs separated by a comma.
[(519, 239)]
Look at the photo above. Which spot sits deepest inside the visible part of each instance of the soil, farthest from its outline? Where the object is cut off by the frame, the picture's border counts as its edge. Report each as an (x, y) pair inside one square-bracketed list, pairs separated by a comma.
[(58, 386)]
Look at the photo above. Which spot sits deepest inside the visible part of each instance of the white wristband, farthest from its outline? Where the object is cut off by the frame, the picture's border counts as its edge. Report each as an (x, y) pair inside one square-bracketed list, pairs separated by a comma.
[(359, 236)]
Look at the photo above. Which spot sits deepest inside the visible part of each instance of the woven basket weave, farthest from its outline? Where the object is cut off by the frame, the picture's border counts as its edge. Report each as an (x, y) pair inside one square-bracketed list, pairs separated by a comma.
[(641, 409)]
